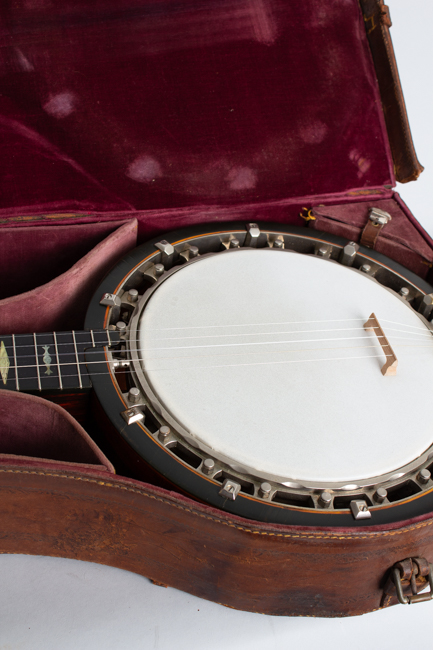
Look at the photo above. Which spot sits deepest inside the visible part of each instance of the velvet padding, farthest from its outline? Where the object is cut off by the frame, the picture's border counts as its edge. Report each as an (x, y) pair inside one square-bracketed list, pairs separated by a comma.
[(33, 254), (33, 429), (62, 302)]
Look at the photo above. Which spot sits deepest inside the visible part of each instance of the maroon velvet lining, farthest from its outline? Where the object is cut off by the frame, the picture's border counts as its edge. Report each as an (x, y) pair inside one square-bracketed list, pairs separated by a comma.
[(34, 255), (413, 221), (31, 426), (169, 104), (62, 302), (35, 172), (159, 221)]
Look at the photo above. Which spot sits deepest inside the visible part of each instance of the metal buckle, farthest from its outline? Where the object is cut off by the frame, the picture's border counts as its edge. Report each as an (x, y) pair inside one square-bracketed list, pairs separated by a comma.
[(416, 597)]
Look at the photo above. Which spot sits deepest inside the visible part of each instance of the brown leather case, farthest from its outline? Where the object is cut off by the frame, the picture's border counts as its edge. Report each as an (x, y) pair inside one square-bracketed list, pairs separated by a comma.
[(173, 540), (70, 503), (378, 23)]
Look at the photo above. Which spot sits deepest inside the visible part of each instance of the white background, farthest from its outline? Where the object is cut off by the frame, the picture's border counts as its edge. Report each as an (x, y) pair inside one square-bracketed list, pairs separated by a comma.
[(56, 604)]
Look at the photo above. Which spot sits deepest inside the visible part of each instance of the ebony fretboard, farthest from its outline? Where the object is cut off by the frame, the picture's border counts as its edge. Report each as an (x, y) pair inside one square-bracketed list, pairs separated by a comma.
[(48, 361)]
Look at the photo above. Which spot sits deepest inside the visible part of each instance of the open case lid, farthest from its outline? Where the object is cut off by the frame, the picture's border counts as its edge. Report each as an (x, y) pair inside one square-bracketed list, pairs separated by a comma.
[(110, 106)]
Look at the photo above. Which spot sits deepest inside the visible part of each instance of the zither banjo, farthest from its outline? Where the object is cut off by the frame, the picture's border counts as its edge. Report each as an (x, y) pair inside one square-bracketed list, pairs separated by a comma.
[(275, 374)]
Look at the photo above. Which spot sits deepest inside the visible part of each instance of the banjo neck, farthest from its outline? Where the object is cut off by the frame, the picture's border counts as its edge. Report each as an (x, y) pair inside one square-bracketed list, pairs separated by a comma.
[(50, 361)]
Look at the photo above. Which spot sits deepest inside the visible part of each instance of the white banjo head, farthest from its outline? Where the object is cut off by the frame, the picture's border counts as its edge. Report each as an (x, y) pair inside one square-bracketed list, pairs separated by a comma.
[(260, 356)]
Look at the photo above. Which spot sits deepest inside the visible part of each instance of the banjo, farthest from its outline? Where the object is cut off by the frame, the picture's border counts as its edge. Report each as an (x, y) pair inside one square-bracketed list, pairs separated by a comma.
[(276, 374)]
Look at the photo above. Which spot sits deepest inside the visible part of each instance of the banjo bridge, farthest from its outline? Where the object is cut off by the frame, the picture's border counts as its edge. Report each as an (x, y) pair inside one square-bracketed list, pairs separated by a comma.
[(390, 366)]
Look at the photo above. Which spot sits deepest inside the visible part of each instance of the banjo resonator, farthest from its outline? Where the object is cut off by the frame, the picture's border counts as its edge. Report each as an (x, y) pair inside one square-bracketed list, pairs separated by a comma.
[(248, 373)]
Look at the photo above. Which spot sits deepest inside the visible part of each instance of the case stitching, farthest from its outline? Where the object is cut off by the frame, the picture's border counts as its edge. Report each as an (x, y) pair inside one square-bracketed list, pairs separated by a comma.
[(229, 523)]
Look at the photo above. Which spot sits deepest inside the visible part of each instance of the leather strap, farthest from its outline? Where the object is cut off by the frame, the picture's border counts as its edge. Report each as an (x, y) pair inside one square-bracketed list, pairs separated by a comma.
[(377, 219), (370, 234)]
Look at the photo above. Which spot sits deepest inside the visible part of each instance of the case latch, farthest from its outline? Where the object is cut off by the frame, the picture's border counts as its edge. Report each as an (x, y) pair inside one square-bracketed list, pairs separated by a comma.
[(411, 576), (377, 219)]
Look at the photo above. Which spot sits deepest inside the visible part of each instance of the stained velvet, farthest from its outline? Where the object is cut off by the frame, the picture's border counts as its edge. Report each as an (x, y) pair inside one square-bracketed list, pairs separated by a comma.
[(35, 173), (169, 104), (32, 427)]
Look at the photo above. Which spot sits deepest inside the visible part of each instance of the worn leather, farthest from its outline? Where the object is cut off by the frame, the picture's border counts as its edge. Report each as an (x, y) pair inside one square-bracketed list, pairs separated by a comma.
[(173, 540), (370, 234), (378, 22)]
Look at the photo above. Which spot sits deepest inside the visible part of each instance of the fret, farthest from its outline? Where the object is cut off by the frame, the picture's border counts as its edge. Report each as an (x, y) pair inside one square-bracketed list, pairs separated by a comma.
[(103, 338), (86, 341), (66, 360), (37, 364), (25, 362), (71, 346), (77, 359), (51, 360), (17, 383), (57, 358)]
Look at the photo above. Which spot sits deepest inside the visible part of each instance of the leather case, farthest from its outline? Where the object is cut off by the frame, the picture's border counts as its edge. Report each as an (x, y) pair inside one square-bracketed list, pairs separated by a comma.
[(121, 122)]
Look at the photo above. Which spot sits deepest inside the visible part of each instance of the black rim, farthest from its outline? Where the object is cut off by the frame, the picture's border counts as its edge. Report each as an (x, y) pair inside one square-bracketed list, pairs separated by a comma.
[(193, 482)]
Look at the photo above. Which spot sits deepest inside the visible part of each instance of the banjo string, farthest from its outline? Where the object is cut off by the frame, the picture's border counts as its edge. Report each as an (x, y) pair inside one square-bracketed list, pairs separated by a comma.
[(300, 322), (241, 344), (140, 358), (340, 329), (234, 365), (268, 352), (222, 366), (90, 351), (428, 336), (263, 363), (384, 320)]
